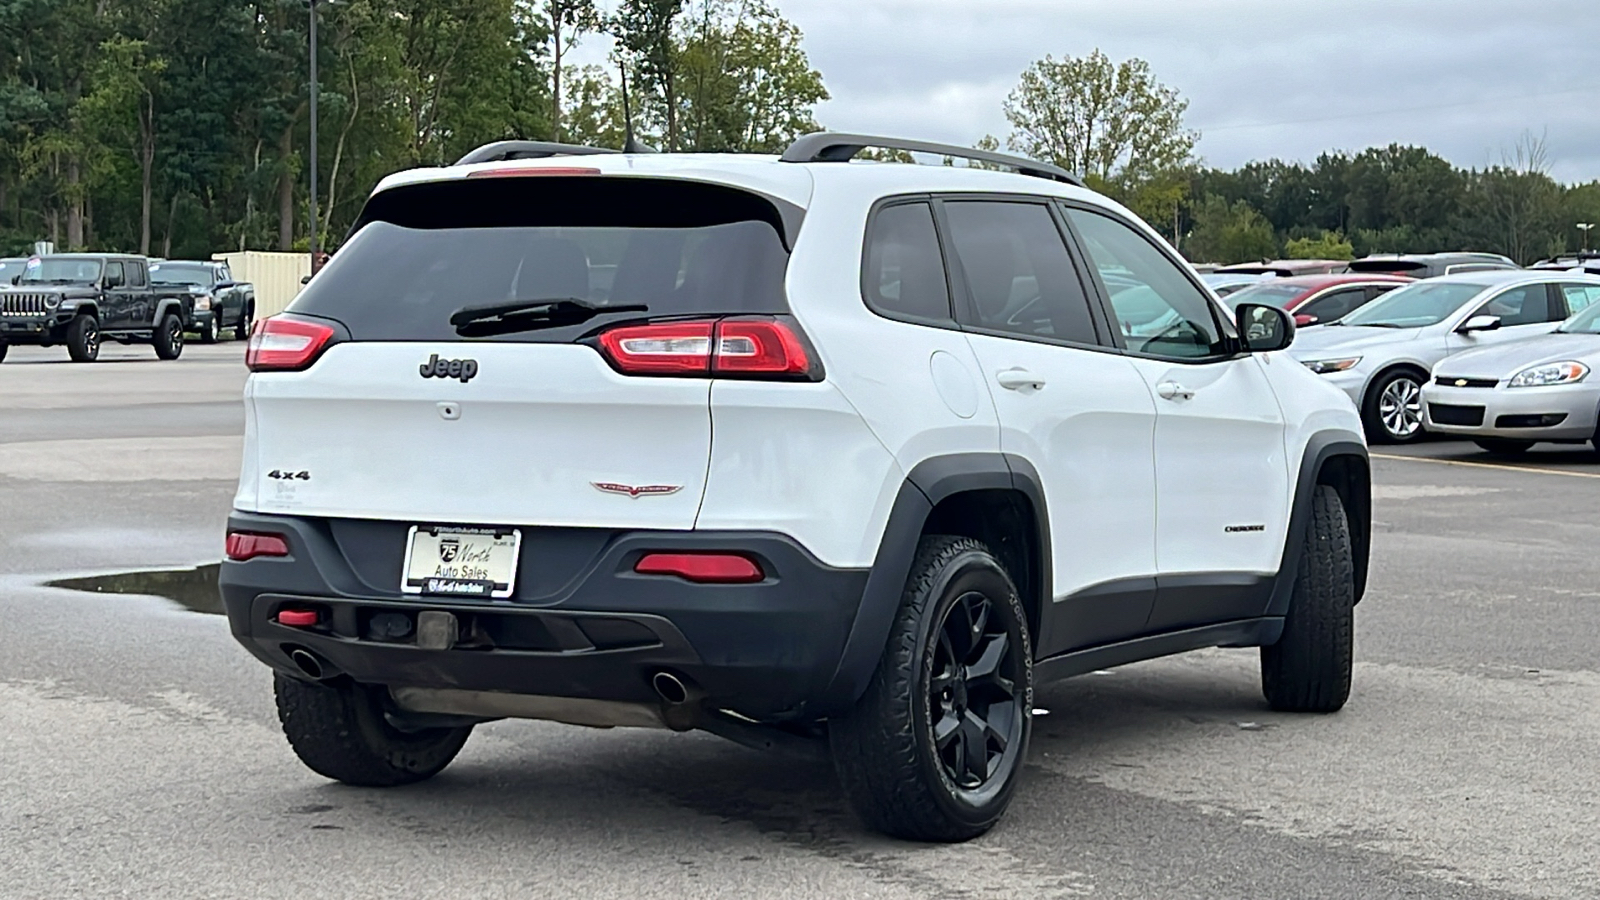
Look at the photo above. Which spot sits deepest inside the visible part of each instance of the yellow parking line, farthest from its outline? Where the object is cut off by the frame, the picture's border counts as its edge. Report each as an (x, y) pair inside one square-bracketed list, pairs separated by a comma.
[(1479, 465)]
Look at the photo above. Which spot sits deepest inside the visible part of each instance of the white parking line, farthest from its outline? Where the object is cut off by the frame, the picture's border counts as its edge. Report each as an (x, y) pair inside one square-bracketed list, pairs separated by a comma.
[(1479, 465)]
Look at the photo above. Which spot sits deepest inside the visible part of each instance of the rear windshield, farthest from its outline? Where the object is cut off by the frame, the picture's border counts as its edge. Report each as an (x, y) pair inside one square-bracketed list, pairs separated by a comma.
[(1387, 265), (425, 251), (180, 273)]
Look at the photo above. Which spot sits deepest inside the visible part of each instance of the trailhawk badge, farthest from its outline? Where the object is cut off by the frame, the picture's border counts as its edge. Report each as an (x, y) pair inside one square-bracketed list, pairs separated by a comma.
[(637, 490)]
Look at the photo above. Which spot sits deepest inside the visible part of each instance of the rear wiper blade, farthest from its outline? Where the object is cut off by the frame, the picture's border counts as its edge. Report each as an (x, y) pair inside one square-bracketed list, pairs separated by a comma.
[(531, 315)]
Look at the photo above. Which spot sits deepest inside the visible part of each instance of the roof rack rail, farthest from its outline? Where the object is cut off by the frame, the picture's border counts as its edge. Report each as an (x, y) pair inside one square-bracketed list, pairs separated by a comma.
[(500, 151), (829, 146)]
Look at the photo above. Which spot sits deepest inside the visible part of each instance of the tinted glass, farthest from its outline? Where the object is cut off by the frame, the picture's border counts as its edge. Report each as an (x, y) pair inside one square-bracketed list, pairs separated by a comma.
[(1018, 273), (180, 273), (1333, 306), (1160, 311), (48, 269), (1586, 322), (115, 275), (904, 268), (677, 247), (135, 274), (1415, 305), (1526, 305)]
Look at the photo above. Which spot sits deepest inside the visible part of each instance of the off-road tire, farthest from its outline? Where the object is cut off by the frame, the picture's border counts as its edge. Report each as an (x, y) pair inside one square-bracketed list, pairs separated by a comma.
[(241, 331), (208, 331), (168, 337), (884, 748), (1372, 417), (339, 730), (1503, 446), (83, 338), (3, 348), (1308, 669)]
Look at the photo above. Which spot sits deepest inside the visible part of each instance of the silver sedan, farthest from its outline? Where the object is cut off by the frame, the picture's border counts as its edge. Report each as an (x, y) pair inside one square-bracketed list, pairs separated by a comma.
[(1509, 397)]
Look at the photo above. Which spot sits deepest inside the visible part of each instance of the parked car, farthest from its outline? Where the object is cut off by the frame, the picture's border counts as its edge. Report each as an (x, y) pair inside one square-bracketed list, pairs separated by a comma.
[(1316, 299), (1223, 285), (78, 299), (837, 456), (219, 302), (1380, 355), (1283, 268), (1432, 265), (1510, 396), (1584, 261)]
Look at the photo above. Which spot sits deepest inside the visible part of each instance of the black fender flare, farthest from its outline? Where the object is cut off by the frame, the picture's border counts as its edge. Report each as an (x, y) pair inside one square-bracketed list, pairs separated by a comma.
[(1325, 447), (929, 482), (165, 306)]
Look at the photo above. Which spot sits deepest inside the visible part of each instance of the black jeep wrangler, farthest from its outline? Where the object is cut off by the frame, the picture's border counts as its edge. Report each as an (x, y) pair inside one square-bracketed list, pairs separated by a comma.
[(78, 299)]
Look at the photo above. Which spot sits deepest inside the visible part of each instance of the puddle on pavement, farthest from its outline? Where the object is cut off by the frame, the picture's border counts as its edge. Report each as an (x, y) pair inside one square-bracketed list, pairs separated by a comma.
[(194, 588)]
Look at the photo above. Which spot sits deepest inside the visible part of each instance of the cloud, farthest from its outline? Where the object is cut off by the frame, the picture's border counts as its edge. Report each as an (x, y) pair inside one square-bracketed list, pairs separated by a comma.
[(1265, 78)]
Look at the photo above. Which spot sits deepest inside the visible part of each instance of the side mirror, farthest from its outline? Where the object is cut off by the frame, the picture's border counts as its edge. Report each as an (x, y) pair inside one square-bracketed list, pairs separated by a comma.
[(1263, 329), (1479, 323), (305, 279)]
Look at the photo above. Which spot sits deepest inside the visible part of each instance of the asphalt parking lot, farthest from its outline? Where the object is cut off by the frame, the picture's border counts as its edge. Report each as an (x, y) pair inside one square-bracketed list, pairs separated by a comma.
[(139, 754)]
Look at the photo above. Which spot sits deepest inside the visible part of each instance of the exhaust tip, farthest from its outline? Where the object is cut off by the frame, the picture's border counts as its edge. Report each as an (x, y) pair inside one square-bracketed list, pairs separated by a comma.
[(307, 662), (670, 688)]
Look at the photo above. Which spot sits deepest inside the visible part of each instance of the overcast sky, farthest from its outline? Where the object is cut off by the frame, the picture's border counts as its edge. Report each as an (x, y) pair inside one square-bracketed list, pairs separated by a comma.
[(1264, 78)]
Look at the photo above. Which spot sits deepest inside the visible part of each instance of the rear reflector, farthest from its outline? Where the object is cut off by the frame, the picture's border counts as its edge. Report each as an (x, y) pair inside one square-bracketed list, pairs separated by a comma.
[(298, 618), (702, 568), (284, 344), (243, 545), (748, 348)]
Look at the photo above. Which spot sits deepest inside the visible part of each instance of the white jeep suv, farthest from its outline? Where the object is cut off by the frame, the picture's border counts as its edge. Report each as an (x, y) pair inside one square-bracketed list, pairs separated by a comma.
[(808, 453)]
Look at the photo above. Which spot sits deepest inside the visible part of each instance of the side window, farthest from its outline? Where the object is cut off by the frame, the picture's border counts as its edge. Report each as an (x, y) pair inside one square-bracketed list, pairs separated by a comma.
[(135, 274), (1019, 275), (224, 274), (904, 273), (1335, 305), (1579, 296), (114, 276), (1526, 305), (1160, 311)]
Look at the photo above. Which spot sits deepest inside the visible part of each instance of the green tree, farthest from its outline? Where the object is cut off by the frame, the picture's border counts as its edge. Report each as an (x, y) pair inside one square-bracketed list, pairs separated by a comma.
[(645, 31), (1229, 233), (1329, 245), (747, 84), (1104, 119), (565, 21)]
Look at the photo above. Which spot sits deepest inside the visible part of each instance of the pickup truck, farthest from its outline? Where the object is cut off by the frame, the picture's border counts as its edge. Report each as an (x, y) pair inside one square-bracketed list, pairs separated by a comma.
[(220, 303), (78, 299)]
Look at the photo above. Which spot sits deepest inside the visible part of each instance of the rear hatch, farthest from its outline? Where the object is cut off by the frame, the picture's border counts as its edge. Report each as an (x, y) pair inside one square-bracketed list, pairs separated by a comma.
[(516, 417)]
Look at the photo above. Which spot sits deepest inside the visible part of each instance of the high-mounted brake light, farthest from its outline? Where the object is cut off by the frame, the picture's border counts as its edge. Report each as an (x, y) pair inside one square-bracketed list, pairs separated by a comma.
[(246, 545), (750, 348), (283, 344), (530, 171), (702, 568)]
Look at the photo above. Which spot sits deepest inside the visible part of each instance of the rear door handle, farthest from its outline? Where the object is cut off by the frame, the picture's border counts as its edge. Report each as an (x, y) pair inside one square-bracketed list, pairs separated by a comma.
[(1171, 390), (1018, 379)]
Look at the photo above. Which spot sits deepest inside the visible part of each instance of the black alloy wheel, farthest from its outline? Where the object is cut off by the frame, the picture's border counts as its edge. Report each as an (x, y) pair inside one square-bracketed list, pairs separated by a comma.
[(83, 338), (169, 338), (975, 704)]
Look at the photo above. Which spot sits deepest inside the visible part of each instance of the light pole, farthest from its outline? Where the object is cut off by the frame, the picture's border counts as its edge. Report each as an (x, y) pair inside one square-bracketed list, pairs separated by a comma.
[(1584, 227)]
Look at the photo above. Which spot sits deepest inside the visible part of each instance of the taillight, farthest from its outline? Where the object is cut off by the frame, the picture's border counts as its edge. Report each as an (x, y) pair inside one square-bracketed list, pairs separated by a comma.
[(245, 545), (702, 568), (280, 343), (740, 348)]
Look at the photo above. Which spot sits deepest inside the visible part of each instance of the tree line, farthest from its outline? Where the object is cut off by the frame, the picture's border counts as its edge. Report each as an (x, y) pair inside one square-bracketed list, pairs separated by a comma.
[(180, 127)]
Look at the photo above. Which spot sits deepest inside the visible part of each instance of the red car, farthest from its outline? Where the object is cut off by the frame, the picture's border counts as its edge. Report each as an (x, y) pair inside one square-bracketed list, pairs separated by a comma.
[(1317, 298)]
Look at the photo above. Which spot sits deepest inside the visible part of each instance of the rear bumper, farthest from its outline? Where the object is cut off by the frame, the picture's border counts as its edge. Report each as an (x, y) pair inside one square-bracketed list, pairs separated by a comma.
[(582, 624), (1555, 413)]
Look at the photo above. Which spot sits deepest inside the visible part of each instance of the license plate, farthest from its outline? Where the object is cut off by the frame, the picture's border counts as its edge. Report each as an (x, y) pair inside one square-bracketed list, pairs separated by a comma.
[(460, 562)]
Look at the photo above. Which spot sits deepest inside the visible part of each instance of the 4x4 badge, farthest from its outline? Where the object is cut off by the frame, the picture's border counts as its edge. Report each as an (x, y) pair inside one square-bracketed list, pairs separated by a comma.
[(637, 490)]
